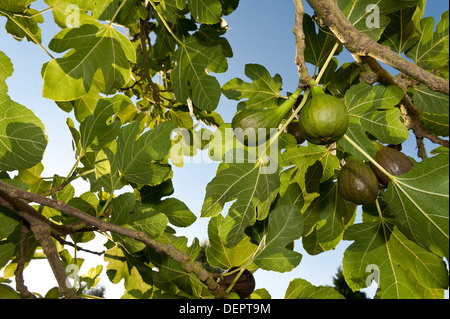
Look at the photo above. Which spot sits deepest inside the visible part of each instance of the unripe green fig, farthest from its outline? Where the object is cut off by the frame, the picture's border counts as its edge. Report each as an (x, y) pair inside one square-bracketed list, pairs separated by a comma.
[(252, 127), (357, 183), (393, 161), (324, 118), (244, 286)]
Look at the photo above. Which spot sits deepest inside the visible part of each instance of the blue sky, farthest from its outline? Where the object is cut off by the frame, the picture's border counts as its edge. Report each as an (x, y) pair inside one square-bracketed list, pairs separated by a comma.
[(261, 32)]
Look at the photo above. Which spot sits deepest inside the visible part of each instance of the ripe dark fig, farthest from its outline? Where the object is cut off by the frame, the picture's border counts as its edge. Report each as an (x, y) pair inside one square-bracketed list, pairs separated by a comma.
[(244, 286), (357, 183), (324, 118), (252, 126), (392, 160), (294, 129)]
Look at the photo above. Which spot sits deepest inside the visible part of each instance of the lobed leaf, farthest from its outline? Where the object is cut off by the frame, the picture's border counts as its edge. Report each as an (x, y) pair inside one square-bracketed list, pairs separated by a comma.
[(262, 93), (250, 186), (94, 47), (419, 200), (22, 137), (136, 153), (302, 289), (190, 77)]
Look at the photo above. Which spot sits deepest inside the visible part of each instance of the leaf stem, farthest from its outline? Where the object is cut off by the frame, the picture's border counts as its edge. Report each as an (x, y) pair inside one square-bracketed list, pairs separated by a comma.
[(330, 56), (235, 280), (381, 168), (117, 12)]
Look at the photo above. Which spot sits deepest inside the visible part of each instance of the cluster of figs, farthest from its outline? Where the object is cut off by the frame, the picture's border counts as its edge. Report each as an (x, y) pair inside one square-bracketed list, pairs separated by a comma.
[(324, 120)]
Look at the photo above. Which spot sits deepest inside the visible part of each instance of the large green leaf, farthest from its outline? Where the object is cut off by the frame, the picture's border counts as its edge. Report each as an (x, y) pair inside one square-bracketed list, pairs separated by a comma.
[(263, 92), (205, 11), (102, 127), (171, 277), (318, 44), (373, 109), (136, 153), (225, 258), (431, 51), (190, 76), (6, 70), (302, 289), (68, 12), (433, 108), (125, 212), (22, 137), (403, 29), (107, 170), (365, 18), (250, 186), (402, 269), (8, 222), (419, 200), (285, 225), (16, 6), (326, 219), (94, 47), (137, 276)]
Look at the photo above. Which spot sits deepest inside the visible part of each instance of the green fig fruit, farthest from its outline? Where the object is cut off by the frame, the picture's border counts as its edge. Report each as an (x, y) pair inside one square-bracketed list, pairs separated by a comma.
[(252, 127), (324, 118), (393, 161), (357, 183), (244, 286)]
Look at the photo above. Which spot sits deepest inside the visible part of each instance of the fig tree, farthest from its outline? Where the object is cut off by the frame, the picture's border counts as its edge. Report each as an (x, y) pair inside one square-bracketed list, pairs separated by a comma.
[(392, 160), (324, 118), (357, 183)]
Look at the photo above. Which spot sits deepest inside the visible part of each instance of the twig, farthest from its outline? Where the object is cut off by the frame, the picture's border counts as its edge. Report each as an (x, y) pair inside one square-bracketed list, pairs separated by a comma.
[(360, 44), (65, 242)]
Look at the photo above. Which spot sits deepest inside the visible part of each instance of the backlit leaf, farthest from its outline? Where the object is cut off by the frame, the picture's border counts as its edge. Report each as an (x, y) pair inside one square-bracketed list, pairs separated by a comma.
[(93, 48), (22, 137), (190, 76), (263, 92), (136, 153)]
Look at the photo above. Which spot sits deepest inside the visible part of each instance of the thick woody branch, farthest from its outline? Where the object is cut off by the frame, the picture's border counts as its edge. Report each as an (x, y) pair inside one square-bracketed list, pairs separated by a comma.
[(42, 233), (43, 230), (361, 45)]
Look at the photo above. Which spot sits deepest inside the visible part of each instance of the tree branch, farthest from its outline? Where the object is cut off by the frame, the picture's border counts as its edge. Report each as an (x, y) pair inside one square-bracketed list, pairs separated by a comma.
[(300, 44), (43, 232), (20, 283), (42, 229), (361, 45)]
